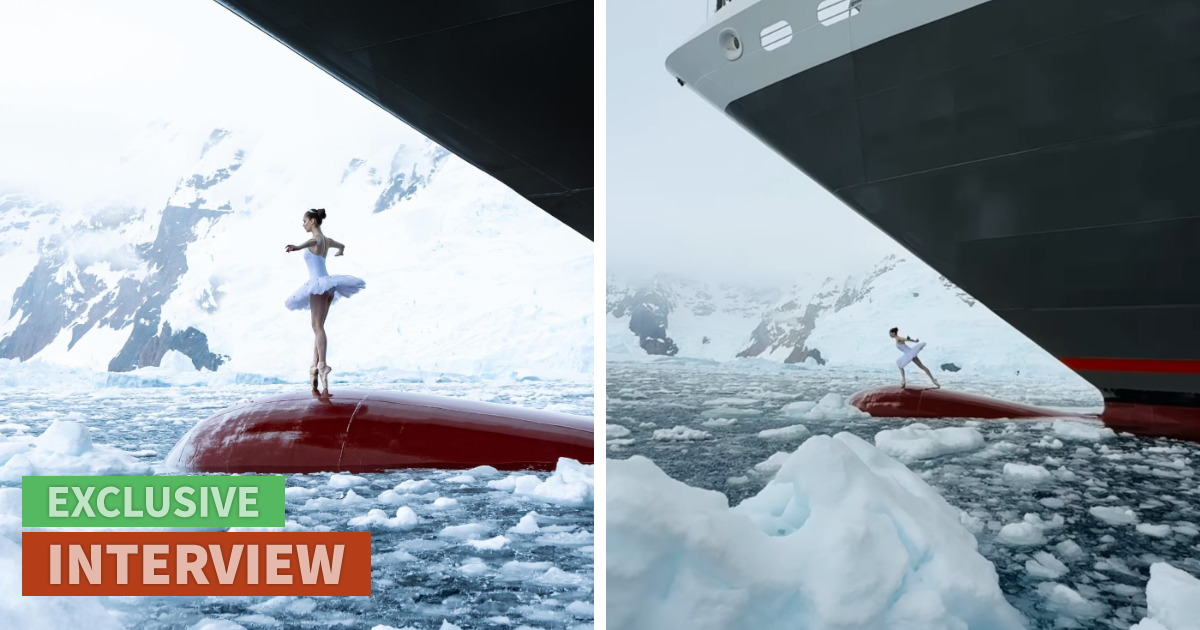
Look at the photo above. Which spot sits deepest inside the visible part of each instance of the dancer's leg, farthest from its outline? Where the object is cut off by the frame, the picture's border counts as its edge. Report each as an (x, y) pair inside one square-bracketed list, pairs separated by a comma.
[(902, 383), (917, 361), (320, 307)]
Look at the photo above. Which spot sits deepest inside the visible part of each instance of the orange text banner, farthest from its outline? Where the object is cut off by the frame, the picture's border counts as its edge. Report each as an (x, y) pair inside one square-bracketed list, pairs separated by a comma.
[(196, 563)]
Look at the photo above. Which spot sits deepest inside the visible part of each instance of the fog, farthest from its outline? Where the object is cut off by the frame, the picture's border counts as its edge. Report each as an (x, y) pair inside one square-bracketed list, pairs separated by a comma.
[(689, 191), (80, 79)]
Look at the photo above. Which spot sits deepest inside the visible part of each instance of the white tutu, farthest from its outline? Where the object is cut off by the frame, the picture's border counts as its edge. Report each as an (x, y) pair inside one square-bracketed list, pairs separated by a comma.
[(341, 286), (909, 353)]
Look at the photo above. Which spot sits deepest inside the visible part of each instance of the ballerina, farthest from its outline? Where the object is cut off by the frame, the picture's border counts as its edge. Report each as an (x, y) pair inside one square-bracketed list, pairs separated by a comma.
[(320, 291), (910, 355)]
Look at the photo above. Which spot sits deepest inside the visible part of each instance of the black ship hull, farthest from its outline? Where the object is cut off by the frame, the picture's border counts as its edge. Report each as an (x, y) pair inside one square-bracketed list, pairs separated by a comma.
[(1043, 156)]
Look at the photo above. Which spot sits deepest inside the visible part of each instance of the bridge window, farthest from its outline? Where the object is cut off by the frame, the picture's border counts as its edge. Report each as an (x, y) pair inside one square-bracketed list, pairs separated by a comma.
[(776, 35), (831, 12)]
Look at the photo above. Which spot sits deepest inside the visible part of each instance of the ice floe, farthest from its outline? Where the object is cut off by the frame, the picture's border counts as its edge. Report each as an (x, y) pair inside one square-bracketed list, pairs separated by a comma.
[(64, 448), (793, 433), (1172, 600), (919, 441), (1082, 431), (680, 557), (831, 407), (681, 433)]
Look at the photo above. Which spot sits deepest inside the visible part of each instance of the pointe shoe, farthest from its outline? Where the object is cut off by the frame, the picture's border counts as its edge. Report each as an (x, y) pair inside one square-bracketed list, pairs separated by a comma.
[(312, 373), (324, 371)]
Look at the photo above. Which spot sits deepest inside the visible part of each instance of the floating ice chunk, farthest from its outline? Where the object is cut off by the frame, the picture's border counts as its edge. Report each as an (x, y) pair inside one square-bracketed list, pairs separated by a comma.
[(469, 531), (830, 407), (1020, 535), (339, 480), (1053, 503), (216, 624), (491, 544), (64, 448), (566, 539), (321, 503), (1157, 531), (258, 620), (483, 471), (615, 431), (679, 557), (1114, 515), (1049, 442), (1082, 431), (772, 463), (1115, 565), (1036, 520), (516, 483), (1187, 529), (527, 525), (446, 625), (1065, 475), (1172, 600), (730, 412), (738, 481), (383, 627), (1068, 602), (1045, 565), (719, 422), (523, 571), (794, 432), (680, 434), (405, 518), (415, 486), (730, 402), (391, 497), (581, 609), (397, 555), (918, 441), (460, 479), (444, 503), (571, 483), (68, 438), (1026, 473)]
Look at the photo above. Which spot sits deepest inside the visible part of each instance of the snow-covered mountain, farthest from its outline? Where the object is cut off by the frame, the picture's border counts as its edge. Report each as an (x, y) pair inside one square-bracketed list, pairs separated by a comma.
[(818, 320), (462, 274)]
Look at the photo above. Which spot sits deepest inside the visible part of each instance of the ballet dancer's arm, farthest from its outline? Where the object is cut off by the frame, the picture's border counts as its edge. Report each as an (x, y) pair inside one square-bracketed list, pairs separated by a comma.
[(306, 244), (336, 245)]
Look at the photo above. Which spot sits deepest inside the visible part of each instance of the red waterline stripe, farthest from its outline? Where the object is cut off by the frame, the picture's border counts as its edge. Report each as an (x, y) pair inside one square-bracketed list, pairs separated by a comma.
[(1157, 366)]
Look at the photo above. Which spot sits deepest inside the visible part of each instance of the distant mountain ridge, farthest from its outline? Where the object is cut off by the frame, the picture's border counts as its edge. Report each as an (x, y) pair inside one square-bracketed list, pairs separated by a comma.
[(117, 287), (817, 320)]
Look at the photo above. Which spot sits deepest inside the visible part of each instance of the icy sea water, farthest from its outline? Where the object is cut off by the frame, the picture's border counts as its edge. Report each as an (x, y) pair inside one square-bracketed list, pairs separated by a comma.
[(421, 576), (1155, 478)]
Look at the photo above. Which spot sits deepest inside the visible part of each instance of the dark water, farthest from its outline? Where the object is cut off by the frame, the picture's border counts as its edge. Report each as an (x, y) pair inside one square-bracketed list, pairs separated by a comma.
[(542, 579), (1154, 477)]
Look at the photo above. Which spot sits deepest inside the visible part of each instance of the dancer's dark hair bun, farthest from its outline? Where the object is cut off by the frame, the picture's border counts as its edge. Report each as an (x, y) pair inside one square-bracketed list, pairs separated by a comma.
[(316, 213)]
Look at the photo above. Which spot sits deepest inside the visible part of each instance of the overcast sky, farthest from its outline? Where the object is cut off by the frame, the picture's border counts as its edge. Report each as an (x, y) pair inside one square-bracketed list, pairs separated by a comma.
[(80, 78), (690, 191)]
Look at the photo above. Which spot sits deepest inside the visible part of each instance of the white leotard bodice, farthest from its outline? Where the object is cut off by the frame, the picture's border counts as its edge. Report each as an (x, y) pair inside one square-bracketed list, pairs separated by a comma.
[(316, 265)]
